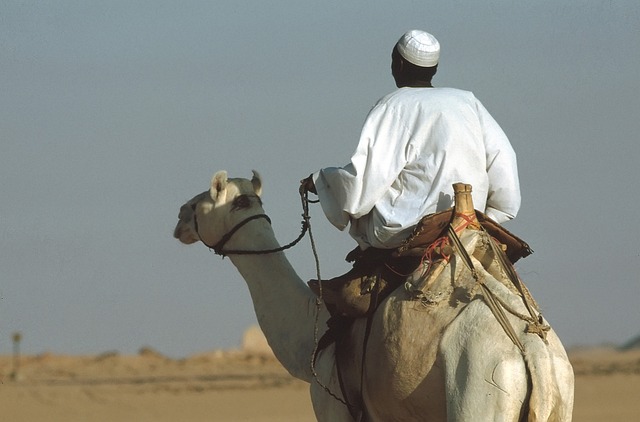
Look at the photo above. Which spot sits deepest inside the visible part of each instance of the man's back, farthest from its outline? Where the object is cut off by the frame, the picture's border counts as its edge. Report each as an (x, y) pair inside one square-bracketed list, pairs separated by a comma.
[(415, 143)]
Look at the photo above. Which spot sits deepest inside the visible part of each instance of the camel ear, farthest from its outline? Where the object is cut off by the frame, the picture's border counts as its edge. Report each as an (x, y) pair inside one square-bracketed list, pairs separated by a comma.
[(218, 184), (256, 181)]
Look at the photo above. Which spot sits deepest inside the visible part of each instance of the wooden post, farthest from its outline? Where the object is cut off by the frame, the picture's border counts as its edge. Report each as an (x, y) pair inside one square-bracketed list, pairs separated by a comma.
[(15, 373)]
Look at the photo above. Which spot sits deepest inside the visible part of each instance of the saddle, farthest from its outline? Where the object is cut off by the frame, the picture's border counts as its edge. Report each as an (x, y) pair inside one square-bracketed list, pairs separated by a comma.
[(378, 272), (434, 226), (375, 274)]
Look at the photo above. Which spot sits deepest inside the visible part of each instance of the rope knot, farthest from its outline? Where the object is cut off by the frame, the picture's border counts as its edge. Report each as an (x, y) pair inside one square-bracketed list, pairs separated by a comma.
[(538, 327)]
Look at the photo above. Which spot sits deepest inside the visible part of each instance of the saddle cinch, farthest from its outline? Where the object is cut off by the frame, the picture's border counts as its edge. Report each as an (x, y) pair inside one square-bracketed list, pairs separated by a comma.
[(377, 272)]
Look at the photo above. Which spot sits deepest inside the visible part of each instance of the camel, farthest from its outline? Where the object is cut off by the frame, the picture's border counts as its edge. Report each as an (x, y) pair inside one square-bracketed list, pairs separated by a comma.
[(432, 353)]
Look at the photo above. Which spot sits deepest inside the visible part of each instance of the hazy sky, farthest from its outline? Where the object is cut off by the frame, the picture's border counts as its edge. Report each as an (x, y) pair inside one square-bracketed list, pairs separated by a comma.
[(112, 114)]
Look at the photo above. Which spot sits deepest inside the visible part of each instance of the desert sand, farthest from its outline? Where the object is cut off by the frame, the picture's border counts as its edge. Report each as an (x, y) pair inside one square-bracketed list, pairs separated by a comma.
[(241, 385)]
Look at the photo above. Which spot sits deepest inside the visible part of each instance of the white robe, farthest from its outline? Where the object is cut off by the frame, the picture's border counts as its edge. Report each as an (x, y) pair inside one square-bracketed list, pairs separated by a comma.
[(415, 144)]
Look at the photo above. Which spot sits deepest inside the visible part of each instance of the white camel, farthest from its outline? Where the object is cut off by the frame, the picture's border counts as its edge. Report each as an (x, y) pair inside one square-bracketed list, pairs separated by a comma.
[(444, 357)]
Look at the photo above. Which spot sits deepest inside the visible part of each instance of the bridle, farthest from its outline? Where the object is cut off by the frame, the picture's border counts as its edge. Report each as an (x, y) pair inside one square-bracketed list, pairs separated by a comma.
[(218, 247)]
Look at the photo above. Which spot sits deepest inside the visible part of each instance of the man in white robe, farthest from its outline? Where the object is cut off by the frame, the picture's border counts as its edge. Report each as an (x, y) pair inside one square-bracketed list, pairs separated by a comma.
[(415, 144)]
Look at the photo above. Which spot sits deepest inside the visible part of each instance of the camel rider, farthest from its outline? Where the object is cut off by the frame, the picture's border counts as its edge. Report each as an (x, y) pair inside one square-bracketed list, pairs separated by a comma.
[(415, 143)]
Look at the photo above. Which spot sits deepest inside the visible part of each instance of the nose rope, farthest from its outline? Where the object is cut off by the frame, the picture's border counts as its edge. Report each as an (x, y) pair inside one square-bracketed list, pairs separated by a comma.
[(304, 196)]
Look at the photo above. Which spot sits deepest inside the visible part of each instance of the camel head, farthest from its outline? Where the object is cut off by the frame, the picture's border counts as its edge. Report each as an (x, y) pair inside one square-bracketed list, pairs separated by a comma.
[(209, 215)]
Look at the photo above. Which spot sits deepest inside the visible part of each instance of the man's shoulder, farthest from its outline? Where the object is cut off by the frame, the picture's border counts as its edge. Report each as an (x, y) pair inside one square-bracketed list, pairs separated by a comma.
[(402, 94), (454, 93)]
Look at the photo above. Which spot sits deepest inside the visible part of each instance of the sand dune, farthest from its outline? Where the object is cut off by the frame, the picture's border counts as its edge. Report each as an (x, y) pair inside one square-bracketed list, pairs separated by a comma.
[(245, 385)]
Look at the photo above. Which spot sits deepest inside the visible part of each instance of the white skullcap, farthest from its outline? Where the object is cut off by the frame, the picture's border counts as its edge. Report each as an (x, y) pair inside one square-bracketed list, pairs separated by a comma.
[(420, 48)]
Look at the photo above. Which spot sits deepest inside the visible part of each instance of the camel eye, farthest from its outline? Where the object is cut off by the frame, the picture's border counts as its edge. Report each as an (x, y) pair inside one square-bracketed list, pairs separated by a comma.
[(241, 202), (186, 212)]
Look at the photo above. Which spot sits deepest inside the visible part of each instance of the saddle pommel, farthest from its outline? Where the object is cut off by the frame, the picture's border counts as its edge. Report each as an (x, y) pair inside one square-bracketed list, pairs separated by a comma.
[(464, 205)]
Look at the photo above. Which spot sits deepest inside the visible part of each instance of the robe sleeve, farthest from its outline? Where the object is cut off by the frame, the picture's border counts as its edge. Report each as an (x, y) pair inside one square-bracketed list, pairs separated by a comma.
[(352, 191), (503, 199)]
